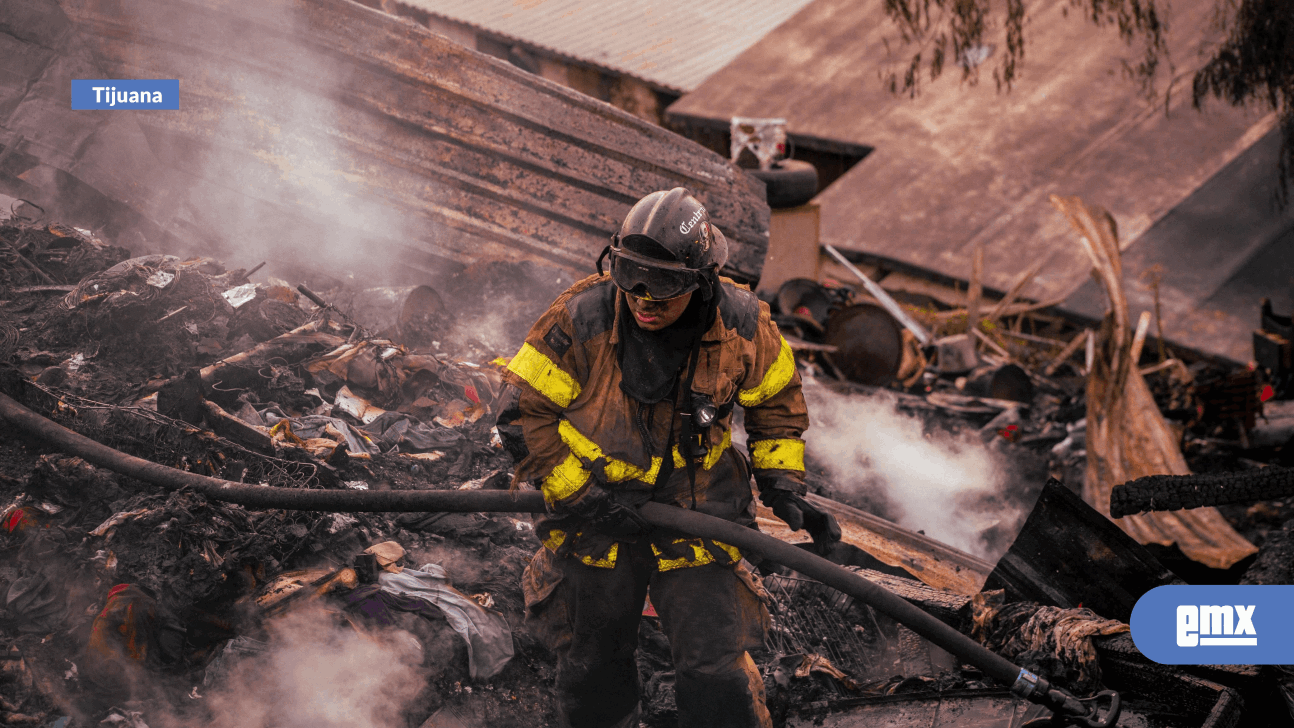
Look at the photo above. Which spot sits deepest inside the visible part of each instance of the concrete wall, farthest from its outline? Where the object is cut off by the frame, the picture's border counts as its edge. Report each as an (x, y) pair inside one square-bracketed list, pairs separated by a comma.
[(792, 246)]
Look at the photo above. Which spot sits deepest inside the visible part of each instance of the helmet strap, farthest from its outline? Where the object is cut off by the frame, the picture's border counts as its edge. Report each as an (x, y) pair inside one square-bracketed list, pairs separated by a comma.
[(605, 252), (709, 280)]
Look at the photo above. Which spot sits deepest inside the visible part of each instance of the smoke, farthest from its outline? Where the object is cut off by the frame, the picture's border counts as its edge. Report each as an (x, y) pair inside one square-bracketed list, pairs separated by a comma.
[(280, 180), (949, 485), (317, 675), (294, 174)]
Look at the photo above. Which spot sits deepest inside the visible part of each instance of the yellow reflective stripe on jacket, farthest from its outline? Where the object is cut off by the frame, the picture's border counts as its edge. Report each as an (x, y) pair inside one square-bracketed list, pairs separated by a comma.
[(607, 563), (617, 471), (700, 555), (732, 551), (711, 457), (777, 377), (557, 537), (545, 376), (787, 454), (565, 480)]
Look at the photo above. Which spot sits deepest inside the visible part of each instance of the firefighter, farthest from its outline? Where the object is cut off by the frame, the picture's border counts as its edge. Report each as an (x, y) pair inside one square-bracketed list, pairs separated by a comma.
[(623, 393)]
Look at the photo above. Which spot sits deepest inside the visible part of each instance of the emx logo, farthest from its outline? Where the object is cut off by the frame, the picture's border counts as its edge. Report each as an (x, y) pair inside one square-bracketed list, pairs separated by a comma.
[(1215, 625), (1219, 623)]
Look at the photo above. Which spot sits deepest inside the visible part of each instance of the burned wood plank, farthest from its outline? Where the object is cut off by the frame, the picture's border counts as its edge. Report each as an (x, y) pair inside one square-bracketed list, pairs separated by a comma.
[(1251, 680), (1030, 338), (798, 344), (1210, 703), (1017, 286), (1067, 554), (1074, 345), (229, 427), (948, 607), (1127, 435), (42, 289), (304, 340), (988, 708), (934, 563)]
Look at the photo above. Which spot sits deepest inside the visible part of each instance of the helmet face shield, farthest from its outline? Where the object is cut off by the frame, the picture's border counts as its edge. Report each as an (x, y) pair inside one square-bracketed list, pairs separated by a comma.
[(649, 278)]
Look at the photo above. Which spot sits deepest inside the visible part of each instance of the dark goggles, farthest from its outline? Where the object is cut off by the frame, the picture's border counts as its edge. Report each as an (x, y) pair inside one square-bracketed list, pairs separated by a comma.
[(650, 278)]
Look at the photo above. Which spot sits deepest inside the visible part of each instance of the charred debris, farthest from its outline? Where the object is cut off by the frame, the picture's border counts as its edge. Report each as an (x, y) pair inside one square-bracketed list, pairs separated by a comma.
[(125, 604)]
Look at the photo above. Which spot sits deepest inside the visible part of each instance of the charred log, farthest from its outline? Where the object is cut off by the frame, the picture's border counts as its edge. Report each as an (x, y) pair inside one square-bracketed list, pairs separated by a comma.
[(1177, 492)]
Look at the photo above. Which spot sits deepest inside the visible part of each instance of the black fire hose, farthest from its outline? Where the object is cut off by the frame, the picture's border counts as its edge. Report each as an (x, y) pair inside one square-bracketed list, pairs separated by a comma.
[(1066, 707)]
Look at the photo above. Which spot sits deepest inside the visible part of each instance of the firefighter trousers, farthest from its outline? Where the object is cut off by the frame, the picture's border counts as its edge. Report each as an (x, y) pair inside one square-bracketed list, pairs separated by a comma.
[(589, 616)]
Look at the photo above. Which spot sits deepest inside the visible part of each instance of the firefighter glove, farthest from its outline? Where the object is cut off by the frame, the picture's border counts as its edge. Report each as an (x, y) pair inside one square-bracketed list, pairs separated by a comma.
[(600, 506), (800, 514)]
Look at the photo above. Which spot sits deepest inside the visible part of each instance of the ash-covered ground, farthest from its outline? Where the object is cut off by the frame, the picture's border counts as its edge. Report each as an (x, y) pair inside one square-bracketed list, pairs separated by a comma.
[(128, 604)]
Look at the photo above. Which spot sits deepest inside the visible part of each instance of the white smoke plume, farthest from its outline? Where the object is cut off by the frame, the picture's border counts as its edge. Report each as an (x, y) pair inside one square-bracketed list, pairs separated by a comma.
[(316, 675), (276, 177), (951, 486), (284, 167)]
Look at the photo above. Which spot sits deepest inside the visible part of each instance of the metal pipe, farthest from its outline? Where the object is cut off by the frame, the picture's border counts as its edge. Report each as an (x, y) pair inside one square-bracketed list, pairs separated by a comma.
[(314, 297), (884, 298)]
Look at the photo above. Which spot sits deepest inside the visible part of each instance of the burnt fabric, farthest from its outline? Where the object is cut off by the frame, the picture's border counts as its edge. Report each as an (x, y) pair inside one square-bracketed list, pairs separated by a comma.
[(135, 627), (427, 592), (392, 429), (388, 430), (37, 604), (313, 426), (713, 615)]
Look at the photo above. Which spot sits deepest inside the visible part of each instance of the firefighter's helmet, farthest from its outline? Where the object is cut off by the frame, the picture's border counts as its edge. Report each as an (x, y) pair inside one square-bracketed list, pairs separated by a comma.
[(667, 247)]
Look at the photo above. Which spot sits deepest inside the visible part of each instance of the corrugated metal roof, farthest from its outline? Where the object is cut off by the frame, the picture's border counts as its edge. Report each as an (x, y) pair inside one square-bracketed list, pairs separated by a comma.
[(399, 149), (962, 165), (676, 44)]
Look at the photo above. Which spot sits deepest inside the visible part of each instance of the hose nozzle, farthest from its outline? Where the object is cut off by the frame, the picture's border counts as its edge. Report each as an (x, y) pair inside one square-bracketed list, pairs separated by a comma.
[(1067, 709)]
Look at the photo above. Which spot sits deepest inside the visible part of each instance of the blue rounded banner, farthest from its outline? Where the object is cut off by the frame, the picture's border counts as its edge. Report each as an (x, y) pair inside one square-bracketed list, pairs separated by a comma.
[(1216, 625), (126, 94)]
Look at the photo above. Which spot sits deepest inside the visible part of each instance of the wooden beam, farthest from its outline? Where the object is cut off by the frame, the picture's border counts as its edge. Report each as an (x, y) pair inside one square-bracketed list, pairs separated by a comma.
[(1074, 345), (1020, 282), (973, 293)]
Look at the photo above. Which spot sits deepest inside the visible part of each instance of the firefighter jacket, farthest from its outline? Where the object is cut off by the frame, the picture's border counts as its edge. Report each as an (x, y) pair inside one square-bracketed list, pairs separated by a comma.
[(576, 420)]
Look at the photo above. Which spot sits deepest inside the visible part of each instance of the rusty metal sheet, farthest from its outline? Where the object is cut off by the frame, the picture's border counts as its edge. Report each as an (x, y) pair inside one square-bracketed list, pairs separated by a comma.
[(323, 124), (935, 564), (675, 46)]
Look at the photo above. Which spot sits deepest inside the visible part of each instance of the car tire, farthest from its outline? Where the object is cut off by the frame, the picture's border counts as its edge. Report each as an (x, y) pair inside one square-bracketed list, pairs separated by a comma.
[(790, 183)]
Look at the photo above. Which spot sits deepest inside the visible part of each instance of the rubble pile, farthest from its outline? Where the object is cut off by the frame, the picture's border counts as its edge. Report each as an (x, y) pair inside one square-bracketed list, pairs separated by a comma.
[(127, 604), (1020, 385), (1020, 377)]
